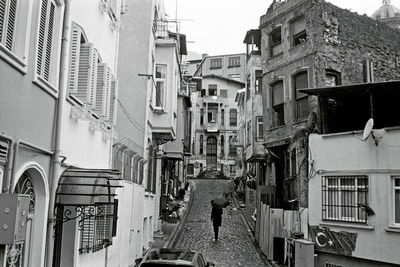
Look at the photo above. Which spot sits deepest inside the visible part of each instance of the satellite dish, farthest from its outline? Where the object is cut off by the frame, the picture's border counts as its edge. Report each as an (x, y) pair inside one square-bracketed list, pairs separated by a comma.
[(367, 129), (311, 121)]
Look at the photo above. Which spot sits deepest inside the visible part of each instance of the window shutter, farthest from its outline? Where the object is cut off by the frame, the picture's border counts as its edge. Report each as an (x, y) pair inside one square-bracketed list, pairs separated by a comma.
[(2, 16), (11, 20), (113, 101), (103, 88), (87, 74), (41, 38), (74, 59), (49, 43)]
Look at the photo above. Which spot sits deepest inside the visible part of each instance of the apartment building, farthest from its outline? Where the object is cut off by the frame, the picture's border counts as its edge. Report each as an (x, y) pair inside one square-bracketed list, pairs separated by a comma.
[(216, 114)]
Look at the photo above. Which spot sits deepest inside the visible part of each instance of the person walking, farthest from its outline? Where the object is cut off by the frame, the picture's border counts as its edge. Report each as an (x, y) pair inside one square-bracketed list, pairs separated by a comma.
[(216, 218)]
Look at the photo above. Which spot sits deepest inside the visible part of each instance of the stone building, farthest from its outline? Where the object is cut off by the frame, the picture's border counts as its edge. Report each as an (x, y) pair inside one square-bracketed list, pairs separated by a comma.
[(388, 14), (308, 44)]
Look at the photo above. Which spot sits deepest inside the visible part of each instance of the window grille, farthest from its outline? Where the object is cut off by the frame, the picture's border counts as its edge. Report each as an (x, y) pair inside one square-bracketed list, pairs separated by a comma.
[(98, 226), (341, 196)]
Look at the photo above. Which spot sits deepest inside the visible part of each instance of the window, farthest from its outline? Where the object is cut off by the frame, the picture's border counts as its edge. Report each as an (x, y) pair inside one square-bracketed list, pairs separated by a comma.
[(332, 78), (260, 128), (222, 145), (222, 117), (190, 169), (98, 226), (276, 42), (14, 27), (232, 117), (212, 89), (341, 196), (235, 77), (258, 82), (46, 66), (160, 80), (233, 62), (278, 112), (299, 31), (150, 168), (232, 170), (201, 145), (201, 116), (203, 92), (300, 80), (216, 63), (396, 200), (248, 85), (232, 148), (223, 93), (248, 133)]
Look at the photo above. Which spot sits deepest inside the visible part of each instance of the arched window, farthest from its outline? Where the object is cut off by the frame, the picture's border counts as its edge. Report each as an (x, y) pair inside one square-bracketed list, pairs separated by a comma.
[(332, 78)]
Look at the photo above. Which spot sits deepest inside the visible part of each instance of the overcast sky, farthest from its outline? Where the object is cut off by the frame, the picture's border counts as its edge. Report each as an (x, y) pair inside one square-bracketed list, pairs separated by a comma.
[(218, 27)]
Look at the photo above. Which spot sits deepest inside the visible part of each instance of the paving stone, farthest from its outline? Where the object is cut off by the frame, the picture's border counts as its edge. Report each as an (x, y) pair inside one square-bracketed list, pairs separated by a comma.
[(234, 246)]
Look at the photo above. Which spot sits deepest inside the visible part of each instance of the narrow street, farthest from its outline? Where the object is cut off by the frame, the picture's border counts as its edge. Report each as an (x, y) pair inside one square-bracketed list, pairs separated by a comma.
[(234, 247)]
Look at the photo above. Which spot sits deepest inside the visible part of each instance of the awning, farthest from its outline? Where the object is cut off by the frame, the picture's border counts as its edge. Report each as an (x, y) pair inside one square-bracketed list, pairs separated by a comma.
[(387, 89), (79, 187), (173, 155)]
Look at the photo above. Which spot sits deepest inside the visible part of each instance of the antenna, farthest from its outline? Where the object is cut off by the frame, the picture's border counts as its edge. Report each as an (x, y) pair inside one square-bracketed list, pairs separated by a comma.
[(367, 129)]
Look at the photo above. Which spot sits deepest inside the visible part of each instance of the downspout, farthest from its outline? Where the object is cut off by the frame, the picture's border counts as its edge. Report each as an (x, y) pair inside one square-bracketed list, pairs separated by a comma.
[(56, 164)]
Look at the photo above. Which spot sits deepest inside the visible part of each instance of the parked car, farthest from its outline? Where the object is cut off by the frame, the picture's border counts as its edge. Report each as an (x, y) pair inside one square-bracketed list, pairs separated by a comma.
[(157, 257)]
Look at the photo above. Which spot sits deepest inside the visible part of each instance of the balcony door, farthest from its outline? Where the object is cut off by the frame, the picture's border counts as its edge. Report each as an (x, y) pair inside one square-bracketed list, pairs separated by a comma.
[(211, 152)]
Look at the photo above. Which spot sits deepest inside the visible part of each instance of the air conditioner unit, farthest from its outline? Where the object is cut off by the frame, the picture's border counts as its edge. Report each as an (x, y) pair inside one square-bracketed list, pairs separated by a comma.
[(14, 209)]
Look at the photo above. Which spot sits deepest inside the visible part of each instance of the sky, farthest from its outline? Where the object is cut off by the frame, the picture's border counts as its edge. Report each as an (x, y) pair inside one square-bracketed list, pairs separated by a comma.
[(218, 27)]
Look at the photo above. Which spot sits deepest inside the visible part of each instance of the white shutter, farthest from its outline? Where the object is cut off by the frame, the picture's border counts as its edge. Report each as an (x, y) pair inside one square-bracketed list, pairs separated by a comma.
[(100, 85), (74, 59), (11, 23), (49, 42), (2, 18), (87, 74), (113, 102), (41, 37), (107, 95)]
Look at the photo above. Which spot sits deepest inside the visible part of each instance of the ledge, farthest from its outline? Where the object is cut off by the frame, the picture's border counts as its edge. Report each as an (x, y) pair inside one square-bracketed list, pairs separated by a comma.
[(354, 226), (392, 229)]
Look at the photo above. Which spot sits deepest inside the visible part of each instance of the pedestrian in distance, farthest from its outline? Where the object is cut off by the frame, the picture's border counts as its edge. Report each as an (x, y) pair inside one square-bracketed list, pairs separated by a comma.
[(216, 218)]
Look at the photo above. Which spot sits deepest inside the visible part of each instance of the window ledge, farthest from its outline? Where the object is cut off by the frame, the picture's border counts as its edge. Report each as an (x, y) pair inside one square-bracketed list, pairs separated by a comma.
[(393, 229), (13, 60), (276, 127), (275, 56), (350, 225), (298, 45), (46, 86), (299, 121), (215, 68)]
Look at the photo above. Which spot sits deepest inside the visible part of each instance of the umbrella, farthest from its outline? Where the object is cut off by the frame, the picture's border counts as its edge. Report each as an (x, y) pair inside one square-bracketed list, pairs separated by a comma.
[(220, 202)]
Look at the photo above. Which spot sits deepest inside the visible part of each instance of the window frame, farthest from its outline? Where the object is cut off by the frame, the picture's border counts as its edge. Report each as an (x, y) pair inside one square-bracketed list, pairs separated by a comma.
[(216, 63), (300, 37), (259, 128), (233, 119), (248, 133), (394, 188), (337, 189), (258, 81), (234, 62), (274, 43), (49, 84), (201, 145), (222, 117), (302, 99), (164, 91), (277, 118), (17, 55)]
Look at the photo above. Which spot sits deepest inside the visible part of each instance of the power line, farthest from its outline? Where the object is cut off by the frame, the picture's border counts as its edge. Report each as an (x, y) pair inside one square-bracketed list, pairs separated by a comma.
[(130, 118)]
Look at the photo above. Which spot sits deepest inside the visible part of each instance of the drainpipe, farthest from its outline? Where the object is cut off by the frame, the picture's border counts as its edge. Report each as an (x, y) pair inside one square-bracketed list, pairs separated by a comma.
[(8, 168), (56, 164)]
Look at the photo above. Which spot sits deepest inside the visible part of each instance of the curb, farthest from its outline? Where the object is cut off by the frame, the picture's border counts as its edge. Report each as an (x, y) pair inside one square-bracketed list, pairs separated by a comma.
[(260, 253), (171, 240)]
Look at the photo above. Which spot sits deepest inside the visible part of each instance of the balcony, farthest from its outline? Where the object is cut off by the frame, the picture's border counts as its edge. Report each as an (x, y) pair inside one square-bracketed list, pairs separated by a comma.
[(212, 99), (212, 127)]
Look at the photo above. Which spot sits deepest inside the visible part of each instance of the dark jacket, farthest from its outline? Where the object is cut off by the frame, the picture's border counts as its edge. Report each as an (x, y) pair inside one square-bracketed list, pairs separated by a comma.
[(216, 216)]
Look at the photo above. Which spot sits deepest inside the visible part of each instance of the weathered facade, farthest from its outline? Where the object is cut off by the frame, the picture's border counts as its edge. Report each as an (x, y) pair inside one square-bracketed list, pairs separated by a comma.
[(306, 44)]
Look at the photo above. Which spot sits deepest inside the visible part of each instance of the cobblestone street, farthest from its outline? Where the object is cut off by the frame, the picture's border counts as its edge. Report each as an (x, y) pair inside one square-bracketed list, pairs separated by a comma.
[(234, 247)]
